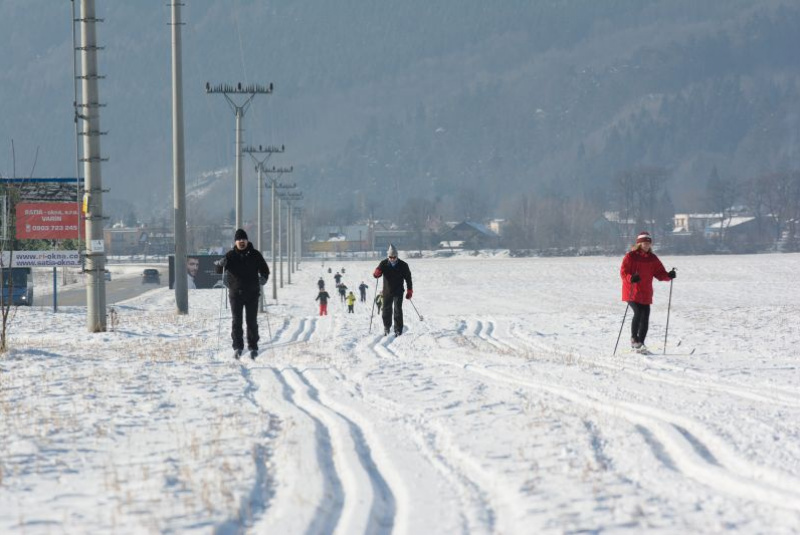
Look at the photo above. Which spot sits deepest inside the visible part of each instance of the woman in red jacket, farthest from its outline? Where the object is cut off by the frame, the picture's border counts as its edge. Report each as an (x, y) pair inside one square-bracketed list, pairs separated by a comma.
[(638, 268)]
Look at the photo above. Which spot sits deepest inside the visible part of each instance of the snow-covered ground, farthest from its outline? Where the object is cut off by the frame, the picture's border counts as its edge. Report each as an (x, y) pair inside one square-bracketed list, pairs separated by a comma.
[(502, 410)]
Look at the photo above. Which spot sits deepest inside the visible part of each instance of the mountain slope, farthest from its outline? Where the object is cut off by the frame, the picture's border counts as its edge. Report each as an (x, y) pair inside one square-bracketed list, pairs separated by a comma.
[(377, 104)]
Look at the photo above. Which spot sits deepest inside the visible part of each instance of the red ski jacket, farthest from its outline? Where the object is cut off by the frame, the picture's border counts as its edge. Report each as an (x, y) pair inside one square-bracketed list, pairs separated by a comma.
[(647, 265)]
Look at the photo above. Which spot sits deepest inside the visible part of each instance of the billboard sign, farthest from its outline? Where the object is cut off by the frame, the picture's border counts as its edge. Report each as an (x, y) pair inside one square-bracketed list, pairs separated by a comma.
[(40, 258), (47, 221), (44, 189), (200, 271)]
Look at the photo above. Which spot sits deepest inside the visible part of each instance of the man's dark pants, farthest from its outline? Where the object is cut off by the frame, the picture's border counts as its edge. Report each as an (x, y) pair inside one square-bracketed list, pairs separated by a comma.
[(248, 302), (393, 303)]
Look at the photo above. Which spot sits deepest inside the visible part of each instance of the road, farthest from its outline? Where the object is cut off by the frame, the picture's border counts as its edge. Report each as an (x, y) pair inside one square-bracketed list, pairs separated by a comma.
[(117, 290)]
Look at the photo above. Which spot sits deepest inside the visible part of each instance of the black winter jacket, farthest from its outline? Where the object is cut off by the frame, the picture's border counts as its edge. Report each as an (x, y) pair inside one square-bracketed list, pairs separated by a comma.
[(393, 277), (243, 269)]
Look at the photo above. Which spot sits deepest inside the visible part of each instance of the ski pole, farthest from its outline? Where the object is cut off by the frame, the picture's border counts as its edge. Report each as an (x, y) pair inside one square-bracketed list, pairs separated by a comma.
[(269, 331), (620, 328), (373, 306), (415, 310), (222, 298), (669, 306), (628, 305)]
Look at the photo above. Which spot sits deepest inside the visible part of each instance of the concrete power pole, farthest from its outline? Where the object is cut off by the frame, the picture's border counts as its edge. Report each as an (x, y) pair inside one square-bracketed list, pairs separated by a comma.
[(239, 110), (260, 167), (288, 197), (178, 177), (275, 221), (291, 231), (298, 213), (93, 178)]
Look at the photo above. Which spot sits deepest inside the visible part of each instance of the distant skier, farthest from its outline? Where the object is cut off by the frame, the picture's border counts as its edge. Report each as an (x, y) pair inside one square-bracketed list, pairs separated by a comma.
[(342, 291), (379, 302), (394, 271), (362, 290), (321, 283), (351, 301), (323, 297), (337, 278), (245, 272), (638, 269)]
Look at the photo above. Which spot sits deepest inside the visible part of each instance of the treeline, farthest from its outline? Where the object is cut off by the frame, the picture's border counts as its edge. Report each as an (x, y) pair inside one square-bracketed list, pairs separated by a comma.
[(722, 99), (640, 200)]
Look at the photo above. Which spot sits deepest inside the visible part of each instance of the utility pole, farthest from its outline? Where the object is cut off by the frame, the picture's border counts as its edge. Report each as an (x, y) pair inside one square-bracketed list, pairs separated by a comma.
[(289, 197), (93, 178), (178, 177), (273, 186), (76, 90), (239, 110), (298, 213), (291, 231), (260, 167)]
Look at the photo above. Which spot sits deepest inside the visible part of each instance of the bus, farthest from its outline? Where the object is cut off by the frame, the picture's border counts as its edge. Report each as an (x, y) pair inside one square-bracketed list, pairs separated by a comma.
[(17, 286)]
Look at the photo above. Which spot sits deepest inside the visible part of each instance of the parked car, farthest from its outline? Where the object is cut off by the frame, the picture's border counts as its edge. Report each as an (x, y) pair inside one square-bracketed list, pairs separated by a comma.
[(107, 275), (151, 275)]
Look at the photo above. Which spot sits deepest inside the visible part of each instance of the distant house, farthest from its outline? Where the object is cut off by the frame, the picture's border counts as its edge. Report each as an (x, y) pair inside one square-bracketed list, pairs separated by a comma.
[(452, 245), (742, 234), (124, 241), (472, 235), (498, 226), (359, 238), (709, 231), (614, 227), (340, 239), (685, 224)]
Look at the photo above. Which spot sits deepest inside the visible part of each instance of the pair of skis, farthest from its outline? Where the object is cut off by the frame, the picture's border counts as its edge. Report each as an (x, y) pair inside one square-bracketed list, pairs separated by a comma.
[(659, 351)]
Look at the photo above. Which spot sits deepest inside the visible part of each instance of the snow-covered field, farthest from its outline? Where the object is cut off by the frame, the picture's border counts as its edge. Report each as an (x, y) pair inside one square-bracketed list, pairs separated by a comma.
[(501, 411)]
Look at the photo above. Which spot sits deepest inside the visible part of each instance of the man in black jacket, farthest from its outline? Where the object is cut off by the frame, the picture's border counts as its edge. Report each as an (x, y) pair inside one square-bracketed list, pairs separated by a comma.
[(245, 272), (394, 272)]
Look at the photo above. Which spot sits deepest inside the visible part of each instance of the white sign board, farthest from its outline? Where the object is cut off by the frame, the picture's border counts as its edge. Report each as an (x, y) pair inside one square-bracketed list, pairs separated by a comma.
[(40, 258), (97, 246)]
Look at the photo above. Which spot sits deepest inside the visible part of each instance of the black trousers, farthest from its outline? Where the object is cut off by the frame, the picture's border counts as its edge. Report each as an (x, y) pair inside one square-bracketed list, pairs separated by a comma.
[(248, 302), (393, 306), (640, 322)]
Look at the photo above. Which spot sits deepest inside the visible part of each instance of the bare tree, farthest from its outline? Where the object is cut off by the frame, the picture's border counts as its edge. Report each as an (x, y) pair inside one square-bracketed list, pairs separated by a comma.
[(472, 203), (720, 196), (639, 193), (7, 251), (417, 212), (524, 220), (778, 191)]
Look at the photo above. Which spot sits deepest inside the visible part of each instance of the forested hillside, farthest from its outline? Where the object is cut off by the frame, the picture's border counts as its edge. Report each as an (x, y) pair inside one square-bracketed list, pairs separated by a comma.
[(471, 107)]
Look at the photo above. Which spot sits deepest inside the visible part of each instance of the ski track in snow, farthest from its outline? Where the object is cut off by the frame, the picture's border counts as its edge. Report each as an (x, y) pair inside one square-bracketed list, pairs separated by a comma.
[(512, 418)]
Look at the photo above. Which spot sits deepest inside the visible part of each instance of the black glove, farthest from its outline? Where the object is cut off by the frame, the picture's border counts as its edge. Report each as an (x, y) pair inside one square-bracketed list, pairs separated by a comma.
[(262, 280), (635, 278), (672, 273)]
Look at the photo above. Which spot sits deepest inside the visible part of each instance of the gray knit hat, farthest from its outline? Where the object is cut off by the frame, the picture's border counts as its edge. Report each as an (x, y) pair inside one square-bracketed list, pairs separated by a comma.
[(392, 251)]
